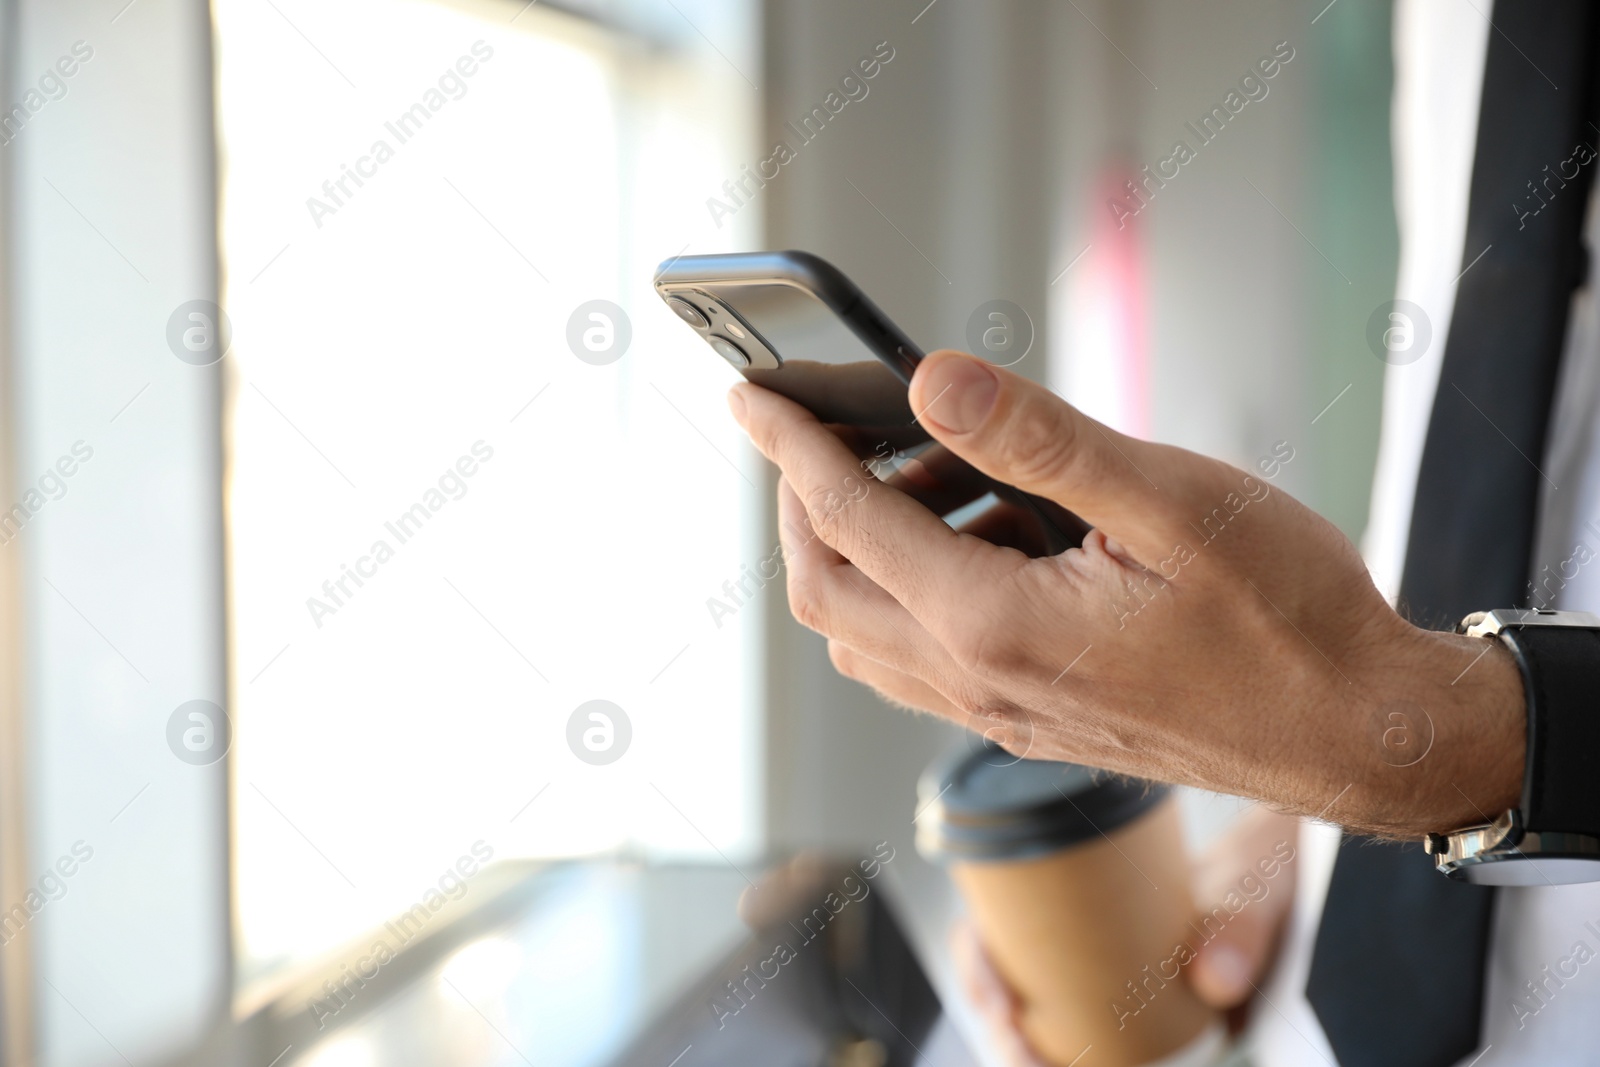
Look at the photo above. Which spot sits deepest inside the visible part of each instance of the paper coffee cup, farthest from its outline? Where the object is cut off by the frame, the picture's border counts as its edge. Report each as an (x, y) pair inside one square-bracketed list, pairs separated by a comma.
[(1078, 884)]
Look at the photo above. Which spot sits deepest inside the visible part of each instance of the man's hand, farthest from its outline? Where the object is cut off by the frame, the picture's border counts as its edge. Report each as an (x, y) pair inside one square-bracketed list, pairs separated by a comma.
[(1229, 967), (1211, 630), (995, 1002)]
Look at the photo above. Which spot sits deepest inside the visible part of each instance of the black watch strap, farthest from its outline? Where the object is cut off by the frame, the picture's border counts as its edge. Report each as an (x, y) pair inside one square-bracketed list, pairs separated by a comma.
[(1561, 674), (1553, 836)]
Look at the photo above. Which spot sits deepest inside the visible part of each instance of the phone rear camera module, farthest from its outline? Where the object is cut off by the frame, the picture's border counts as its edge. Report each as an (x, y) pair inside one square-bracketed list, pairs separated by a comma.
[(688, 312), (730, 352)]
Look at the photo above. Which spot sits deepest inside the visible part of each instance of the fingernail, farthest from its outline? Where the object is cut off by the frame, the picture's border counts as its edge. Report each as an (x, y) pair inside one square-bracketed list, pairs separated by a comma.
[(960, 393), (736, 403), (1229, 969)]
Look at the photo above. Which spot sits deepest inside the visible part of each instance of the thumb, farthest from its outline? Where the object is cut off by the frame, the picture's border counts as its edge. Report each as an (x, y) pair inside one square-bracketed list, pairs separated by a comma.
[(1024, 435)]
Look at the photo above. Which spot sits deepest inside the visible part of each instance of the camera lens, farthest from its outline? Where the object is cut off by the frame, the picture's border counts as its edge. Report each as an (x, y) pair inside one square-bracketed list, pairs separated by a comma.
[(730, 352), (687, 312)]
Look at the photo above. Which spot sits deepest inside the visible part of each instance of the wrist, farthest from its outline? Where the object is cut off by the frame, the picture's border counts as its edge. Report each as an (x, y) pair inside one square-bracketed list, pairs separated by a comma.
[(1445, 732)]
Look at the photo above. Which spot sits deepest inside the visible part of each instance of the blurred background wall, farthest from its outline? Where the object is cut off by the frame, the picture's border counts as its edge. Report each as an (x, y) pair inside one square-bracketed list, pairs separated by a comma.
[(112, 198)]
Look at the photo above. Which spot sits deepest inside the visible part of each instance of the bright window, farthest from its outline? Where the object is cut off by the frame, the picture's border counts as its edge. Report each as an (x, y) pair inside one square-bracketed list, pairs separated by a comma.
[(447, 531)]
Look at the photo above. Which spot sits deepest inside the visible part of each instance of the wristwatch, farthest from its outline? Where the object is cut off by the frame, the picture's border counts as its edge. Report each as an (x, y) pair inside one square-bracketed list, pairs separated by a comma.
[(1553, 836)]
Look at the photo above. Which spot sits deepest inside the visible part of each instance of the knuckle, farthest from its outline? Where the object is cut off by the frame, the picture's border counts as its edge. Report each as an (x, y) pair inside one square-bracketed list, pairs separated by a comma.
[(985, 647), (991, 707), (808, 602), (827, 508), (1002, 721), (966, 642), (987, 651), (965, 647), (1044, 446)]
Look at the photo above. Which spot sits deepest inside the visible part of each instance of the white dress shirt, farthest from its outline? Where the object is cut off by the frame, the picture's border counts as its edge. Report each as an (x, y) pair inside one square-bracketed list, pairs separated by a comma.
[(1540, 935)]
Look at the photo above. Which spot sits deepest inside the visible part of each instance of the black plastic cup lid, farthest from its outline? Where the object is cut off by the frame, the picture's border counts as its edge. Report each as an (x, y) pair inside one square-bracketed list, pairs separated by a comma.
[(980, 804)]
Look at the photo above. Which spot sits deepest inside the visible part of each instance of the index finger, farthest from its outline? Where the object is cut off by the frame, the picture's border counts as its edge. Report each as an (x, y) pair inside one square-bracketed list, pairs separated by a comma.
[(901, 545)]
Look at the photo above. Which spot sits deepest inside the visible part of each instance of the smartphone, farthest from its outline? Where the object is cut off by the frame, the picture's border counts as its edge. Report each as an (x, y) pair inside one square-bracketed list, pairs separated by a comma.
[(793, 323)]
